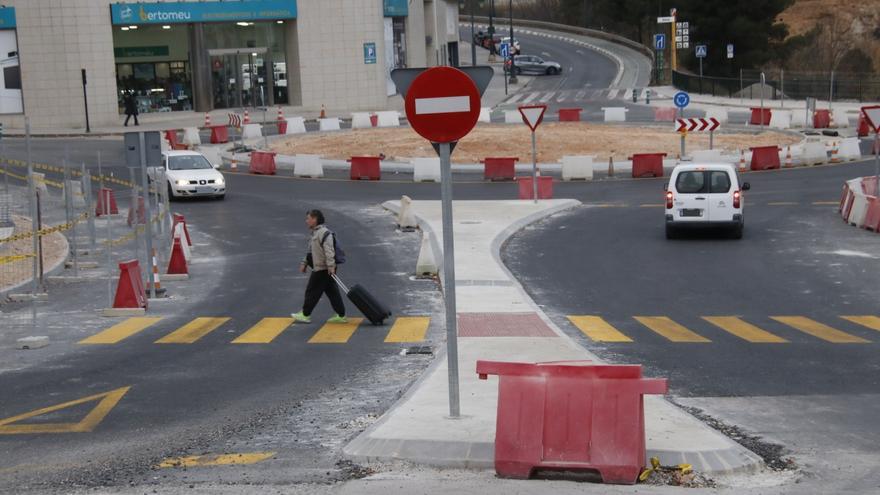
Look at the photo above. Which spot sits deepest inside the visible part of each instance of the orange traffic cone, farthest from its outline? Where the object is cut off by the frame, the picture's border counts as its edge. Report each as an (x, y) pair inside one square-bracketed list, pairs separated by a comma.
[(323, 112), (788, 161), (280, 115), (742, 161), (247, 117), (834, 150), (207, 119)]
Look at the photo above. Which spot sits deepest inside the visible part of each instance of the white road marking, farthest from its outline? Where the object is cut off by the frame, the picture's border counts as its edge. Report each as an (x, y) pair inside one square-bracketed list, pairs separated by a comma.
[(531, 97), (580, 52), (514, 98), (612, 94), (446, 104), (580, 95), (547, 97), (562, 96), (545, 54)]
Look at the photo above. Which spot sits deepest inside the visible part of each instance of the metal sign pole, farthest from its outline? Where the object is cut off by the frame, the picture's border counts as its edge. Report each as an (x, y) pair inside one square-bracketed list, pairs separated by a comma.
[(877, 162), (762, 102), (449, 279), (684, 133), (534, 169), (148, 216)]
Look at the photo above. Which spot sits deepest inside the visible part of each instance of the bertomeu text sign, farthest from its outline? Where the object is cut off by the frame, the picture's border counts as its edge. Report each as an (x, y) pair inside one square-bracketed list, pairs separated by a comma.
[(185, 12)]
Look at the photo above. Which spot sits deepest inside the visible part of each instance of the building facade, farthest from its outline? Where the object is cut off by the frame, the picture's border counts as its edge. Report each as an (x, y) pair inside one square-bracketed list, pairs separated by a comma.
[(202, 55)]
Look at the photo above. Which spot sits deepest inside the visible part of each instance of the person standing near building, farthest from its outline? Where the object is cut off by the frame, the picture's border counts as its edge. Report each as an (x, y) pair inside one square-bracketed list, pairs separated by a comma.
[(131, 108), (323, 259)]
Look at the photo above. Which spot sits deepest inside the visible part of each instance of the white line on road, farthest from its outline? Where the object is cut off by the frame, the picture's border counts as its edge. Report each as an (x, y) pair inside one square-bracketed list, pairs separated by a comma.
[(562, 96), (580, 95), (613, 93), (514, 98), (545, 54), (580, 52), (547, 97), (531, 97), (446, 104)]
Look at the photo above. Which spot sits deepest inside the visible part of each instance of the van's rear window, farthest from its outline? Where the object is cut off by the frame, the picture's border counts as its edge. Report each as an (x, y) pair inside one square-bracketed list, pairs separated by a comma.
[(691, 182)]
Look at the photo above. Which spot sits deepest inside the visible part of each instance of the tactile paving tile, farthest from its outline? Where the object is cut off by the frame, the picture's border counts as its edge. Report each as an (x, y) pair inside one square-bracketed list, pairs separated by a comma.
[(503, 325)]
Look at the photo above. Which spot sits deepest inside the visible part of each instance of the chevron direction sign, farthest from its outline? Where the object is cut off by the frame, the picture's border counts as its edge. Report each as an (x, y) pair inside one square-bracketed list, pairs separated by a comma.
[(691, 125)]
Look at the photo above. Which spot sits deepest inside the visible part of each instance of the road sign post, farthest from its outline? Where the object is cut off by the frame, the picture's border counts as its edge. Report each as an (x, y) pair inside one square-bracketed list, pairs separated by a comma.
[(872, 115), (533, 115), (681, 100), (442, 105)]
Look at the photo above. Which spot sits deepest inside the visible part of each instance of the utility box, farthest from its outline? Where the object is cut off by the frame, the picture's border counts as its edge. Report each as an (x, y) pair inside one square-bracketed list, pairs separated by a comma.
[(153, 143)]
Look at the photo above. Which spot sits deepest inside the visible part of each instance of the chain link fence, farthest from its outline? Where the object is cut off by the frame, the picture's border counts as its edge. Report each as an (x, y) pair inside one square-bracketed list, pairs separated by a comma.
[(781, 84)]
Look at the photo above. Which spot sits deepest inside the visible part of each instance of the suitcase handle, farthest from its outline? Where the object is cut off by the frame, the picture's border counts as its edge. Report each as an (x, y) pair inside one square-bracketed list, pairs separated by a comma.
[(339, 282)]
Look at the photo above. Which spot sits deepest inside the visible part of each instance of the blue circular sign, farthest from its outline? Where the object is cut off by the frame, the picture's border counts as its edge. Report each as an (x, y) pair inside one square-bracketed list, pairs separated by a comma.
[(681, 99)]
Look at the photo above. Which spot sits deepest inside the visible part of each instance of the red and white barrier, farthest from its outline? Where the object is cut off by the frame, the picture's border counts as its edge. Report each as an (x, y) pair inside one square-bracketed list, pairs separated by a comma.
[(858, 207)]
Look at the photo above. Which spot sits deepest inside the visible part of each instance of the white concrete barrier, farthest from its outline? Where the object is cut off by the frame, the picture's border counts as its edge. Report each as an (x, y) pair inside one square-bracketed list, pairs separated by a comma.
[(859, 208), (577, 167), (426, 169), (512, 117), (427, 262), (212, 153), (406, 219), (706, 156), (799, 119), (164, 144), (485, 115), (191, 137), (389, 118), (75, 189), (814, 153), (308, 166), (328, 124), (360, 120), (40, 184), (841, 119), (780, 119), (615, 114), (296, 125), (849, 149), (719, 114), (251, 131)]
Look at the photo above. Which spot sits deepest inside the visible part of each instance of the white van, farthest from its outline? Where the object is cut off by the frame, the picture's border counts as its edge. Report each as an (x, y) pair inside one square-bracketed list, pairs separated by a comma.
[(704, 195)]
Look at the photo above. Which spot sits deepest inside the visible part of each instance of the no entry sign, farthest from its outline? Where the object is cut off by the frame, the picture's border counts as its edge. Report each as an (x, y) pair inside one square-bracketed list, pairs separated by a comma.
[(442, 104)]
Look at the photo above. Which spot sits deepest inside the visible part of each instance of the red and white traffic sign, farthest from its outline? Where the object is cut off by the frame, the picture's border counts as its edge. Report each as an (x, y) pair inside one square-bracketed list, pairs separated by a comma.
[(442, 104), (872, 114), (532, 115), (691, 125)]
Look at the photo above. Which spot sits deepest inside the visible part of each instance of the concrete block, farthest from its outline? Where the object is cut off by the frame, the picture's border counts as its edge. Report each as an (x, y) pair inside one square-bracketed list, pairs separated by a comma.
[(426, 169), (308, 166), (114, 312), (74, 187), (577, 167), (799, 119), (780, 119), (615, 114), (36, 342), (485, 115), (251, 131), (406, 219), (840, 118), (328, 124), (814, 153), (849, 149), (296, 125), (361, 120), (191, 137), (427, 262), (389, 118)]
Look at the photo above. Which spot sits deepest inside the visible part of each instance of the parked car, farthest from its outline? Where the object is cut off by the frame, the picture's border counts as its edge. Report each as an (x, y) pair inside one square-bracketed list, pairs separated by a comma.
[(709, 195), (189, 174), (533, 64)]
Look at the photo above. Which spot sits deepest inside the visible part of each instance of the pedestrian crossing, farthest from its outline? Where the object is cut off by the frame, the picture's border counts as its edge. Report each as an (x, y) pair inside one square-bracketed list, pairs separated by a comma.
[(404, 330), (790, 329), (576, 96)]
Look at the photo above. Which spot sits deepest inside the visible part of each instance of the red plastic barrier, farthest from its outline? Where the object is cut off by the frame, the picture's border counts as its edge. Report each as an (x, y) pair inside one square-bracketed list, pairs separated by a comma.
[(869, 186), (374, 120), (262, 162), (219, 134), (499, 168), (100, 208), (864, 128), (141, 213), (570, 415), (171, 136), (282, 127), (647, 164), (527, 188), (760, 115), (130, 291), (569, 114), (664, 114), (177, 261), (178, 218), (822, 119), (365, 168), (765, 157)]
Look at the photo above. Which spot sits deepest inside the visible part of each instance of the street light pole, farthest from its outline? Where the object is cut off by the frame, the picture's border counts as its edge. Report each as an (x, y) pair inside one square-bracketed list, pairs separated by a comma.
[(473, 36), (510, 50), (762, 102)]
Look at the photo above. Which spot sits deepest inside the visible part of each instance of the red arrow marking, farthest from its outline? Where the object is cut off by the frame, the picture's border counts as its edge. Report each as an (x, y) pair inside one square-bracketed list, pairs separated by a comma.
[(703, 124), (715, 124), (682, 125), (693, 125)]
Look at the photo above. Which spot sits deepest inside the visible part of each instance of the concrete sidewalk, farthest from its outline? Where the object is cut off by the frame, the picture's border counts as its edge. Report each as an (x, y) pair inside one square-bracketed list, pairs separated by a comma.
[(499, 321)]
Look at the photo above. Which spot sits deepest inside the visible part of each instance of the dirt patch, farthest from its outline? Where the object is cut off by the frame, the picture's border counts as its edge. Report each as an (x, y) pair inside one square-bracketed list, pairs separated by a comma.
[(554, 141), (17, 257)]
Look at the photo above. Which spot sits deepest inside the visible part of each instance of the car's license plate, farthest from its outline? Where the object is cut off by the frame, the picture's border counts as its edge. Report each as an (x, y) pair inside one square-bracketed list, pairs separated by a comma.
[(204, 190), (691, 212)]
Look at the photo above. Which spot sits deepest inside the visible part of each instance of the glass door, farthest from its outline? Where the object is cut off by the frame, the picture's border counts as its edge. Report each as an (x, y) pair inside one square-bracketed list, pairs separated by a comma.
[(239, 77)]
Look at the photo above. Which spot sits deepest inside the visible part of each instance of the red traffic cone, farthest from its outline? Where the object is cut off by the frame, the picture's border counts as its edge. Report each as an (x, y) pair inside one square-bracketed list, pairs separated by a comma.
[(177, 262), (247, 117)]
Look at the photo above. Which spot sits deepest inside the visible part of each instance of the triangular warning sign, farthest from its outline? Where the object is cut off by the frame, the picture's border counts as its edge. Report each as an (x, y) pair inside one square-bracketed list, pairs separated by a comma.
[(108, 401), (532, 115), (873, 115)]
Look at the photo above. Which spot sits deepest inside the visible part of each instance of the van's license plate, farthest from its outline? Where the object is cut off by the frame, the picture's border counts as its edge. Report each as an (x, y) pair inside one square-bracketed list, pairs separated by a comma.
[(691, 212)]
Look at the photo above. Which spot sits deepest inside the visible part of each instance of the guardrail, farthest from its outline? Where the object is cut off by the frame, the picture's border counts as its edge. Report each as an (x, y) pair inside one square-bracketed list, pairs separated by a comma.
[(788, 85)]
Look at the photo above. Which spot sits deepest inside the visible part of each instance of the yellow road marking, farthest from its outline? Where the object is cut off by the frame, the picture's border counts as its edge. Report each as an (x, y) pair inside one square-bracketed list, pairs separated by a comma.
[(192, 331), (872, 322), (108, 401), (819, 330), (744, 330), (336, 333), (783, 203), (216, 460), (264, 332), (598, 329), (121, 331), (670, 329), (408, 329), (826, 203)]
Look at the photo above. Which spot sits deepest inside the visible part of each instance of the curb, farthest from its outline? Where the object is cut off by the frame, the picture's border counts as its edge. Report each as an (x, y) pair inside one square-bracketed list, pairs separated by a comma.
[(53, 270), (480, 455)]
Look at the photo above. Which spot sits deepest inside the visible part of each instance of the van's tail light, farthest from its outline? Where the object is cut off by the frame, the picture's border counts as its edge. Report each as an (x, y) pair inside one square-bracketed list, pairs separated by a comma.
[(669, 200), (736, 198)]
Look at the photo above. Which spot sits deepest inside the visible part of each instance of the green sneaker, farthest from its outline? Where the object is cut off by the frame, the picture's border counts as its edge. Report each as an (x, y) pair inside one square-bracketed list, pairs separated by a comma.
[(338, 319), (300, 317)]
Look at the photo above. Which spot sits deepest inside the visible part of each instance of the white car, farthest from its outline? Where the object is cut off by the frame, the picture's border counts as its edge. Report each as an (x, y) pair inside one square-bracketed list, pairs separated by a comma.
[(189, 174), (705, 195)]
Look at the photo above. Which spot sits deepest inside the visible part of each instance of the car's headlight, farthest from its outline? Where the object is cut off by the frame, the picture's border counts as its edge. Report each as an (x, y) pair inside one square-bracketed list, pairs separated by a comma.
[(182, 182), (221, 181)]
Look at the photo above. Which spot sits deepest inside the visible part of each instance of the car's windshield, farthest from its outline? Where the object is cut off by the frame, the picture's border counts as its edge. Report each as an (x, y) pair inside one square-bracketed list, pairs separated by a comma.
[(691, 182), (188, 162)]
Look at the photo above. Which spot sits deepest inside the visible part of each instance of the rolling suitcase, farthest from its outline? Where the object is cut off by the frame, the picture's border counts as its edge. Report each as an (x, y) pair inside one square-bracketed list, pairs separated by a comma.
[(375, 311)]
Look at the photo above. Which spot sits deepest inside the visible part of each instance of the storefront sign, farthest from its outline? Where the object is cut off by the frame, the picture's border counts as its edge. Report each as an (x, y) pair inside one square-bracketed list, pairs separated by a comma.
[(369, 53), (184, 12), (396, 8), (140, 51), (7, 17)]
